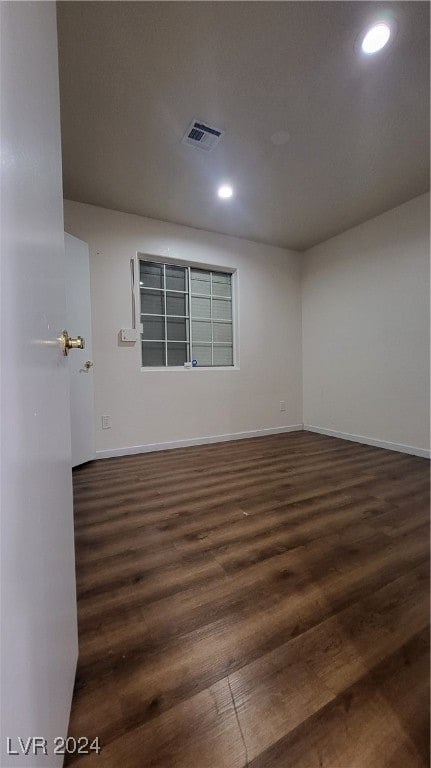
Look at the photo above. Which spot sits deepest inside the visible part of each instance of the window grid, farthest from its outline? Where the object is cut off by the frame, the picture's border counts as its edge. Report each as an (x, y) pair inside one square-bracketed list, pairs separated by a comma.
[(212, 344), (166, 315), (211, 317), (188, 317), (189, 283)]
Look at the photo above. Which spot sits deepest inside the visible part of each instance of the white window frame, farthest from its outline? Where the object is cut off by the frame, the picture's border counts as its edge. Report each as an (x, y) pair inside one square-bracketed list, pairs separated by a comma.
[(175, 262)]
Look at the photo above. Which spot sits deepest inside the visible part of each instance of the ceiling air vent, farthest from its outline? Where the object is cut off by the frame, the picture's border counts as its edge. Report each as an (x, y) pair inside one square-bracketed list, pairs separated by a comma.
[(202, 136)]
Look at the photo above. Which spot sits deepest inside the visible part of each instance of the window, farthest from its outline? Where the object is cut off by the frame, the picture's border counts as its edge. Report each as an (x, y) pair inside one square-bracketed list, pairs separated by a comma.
[(186, 315)]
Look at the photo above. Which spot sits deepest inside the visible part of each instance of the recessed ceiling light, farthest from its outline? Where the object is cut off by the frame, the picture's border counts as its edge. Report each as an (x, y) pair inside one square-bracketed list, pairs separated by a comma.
[(225, 191), (376, 38)]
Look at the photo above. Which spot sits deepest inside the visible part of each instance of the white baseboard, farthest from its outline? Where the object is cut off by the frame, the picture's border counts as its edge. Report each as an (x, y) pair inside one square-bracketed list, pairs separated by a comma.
[(149, 447), (423, 452)]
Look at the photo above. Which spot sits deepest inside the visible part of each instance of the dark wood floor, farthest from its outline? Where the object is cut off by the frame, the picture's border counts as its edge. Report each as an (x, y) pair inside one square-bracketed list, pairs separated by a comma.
[(260, 603)]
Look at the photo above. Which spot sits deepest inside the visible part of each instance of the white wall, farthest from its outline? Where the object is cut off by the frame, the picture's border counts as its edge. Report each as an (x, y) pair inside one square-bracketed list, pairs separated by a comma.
[(365, 318), (39, 643), (149, 407)]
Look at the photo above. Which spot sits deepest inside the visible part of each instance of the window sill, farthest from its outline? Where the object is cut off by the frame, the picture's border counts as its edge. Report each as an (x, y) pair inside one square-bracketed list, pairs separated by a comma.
[(178, 368)]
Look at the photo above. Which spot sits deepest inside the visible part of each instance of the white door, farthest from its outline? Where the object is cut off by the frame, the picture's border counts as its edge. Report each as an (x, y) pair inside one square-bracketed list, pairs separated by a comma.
[(38, 602), (80, 360)]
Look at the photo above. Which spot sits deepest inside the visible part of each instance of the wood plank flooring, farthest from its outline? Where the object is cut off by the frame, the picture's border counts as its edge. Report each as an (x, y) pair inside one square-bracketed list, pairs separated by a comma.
[(260, 603)]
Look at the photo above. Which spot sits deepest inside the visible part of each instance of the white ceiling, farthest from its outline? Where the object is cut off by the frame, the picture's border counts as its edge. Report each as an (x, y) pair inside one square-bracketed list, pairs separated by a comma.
[(133, 76)]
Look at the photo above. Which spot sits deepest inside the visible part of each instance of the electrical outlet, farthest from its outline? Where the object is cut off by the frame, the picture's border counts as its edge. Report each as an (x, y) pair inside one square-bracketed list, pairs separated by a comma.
[(282, 405), (106, 422)]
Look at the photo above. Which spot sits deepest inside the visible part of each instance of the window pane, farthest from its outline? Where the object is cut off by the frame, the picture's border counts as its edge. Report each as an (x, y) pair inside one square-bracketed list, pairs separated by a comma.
[(202, 353), (222, 277), (221, 289), (176, 278), (201, 330), (152, 302), (151, 275), (153, 353), (221, 285), (222, 332), (177, 330), (201, 281), (201, 307), (176, 304), (153, 328), (222, 309), (199, 286), (200, 274), (223, 354), (177, 354)]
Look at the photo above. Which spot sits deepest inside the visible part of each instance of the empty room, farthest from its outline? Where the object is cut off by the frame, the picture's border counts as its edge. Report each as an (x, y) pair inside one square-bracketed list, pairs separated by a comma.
[(215, 384)]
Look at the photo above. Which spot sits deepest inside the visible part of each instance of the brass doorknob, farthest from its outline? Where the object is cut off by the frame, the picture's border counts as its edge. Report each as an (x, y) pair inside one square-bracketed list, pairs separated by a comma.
[(69, 343)]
